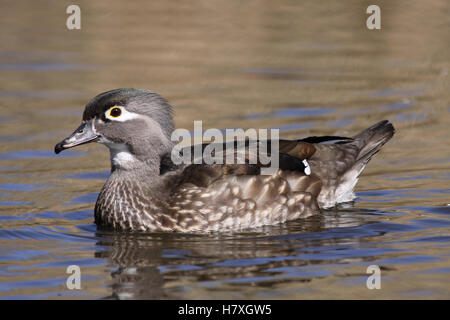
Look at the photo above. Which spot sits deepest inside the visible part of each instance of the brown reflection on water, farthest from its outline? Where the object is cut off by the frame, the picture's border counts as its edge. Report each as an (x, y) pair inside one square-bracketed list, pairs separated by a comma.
[(308, 68)]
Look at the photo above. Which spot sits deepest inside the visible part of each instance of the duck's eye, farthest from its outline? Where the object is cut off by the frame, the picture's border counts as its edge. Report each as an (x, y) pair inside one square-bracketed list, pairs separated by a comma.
[(115, 112), (120, 114)]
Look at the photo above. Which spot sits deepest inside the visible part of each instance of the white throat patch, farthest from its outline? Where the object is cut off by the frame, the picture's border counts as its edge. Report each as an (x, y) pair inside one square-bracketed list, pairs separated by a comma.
[(121, 157)]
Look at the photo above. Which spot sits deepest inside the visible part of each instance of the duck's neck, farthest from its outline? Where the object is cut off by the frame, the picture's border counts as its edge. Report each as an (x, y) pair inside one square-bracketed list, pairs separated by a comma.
[(137, 162)]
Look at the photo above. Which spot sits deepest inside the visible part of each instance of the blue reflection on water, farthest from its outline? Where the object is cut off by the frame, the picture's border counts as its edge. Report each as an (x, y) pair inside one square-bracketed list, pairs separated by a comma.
[(25, 154)]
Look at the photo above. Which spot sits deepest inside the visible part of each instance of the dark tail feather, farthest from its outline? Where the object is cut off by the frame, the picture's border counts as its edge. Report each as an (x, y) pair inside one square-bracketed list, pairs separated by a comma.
[(372, 139)]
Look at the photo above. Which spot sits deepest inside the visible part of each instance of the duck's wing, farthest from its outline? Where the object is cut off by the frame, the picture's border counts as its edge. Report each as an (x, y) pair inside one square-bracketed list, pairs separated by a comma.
[(292, 154), (335, 164), (233, 197), (236, 196)]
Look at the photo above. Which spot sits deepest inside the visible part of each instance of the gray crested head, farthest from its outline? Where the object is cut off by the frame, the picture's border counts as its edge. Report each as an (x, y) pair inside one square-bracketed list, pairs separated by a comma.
[(140, 101), (135, 124)]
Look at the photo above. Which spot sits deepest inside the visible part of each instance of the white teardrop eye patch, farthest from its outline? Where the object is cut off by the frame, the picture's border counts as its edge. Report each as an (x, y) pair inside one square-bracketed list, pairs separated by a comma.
[(119, 113)]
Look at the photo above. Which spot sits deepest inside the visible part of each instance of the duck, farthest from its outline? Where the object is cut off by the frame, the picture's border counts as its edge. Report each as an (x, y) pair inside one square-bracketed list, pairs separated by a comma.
[(147, 191)]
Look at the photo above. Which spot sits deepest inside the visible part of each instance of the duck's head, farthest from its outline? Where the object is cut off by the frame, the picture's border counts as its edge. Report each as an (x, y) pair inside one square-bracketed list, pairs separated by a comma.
[(135, 124)]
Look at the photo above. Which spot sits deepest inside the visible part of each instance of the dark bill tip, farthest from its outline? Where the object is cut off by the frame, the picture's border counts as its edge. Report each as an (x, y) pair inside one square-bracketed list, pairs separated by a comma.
[(59, 147)]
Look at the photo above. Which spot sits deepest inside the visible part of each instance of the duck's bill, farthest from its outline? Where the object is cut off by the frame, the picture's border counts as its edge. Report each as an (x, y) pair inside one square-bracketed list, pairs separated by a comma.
[(84, 134)]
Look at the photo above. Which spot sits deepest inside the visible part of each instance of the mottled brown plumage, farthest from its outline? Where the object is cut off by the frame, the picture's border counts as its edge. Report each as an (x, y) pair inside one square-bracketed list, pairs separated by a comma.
[(147, 191)]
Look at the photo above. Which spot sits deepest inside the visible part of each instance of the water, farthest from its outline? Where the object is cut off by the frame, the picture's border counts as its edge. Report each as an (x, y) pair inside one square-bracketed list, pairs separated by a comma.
[(308, 69)]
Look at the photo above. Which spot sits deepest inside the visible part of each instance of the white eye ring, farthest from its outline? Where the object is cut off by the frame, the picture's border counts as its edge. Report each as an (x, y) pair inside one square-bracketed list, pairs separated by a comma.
[(120, 115)]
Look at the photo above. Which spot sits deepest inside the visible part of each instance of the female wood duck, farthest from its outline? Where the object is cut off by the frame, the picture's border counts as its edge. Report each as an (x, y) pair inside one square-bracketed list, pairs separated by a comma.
[(147, 191)]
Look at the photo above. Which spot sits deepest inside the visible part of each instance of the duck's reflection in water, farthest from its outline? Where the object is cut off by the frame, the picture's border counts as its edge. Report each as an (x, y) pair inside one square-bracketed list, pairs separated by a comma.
[(159, 266)]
